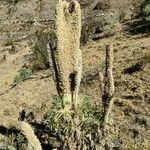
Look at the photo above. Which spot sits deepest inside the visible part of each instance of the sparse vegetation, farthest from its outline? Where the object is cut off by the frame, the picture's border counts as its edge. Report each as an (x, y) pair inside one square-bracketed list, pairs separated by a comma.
[(16, 141), (146, 59), (9, 43), (58, 122), (122, 16), (22, 75), (13, 140), (142, 17), (40, 58), (142, 9), (145, 10)]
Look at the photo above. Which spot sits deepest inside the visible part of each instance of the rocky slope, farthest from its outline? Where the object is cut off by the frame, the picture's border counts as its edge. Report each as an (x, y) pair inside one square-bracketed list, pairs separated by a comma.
[(130, 117), (20, 17)]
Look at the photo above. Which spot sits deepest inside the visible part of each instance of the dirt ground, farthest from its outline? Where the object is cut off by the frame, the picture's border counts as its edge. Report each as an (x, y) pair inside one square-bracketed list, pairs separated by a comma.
[(132, 90)]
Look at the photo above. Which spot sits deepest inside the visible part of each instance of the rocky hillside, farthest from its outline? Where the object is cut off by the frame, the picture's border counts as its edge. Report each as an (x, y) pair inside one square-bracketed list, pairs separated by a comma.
[(19, 18), (24, 23)]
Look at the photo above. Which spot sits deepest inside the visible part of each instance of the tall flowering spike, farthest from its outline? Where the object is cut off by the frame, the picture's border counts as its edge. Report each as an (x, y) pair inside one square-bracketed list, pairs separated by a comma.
[(28, 132), (109, 88), (109, 81), (68, 56)]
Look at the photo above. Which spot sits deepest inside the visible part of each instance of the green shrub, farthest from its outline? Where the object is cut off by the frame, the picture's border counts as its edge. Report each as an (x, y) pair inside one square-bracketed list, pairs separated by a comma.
[(13, 140), (78, 127), (146, 11), (22, 75), (143, 10), (16, 141), (146, 59)]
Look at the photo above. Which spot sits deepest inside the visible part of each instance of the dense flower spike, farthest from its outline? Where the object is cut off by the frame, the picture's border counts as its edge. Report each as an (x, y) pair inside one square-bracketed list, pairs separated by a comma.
[(107, 83), (67, 58)]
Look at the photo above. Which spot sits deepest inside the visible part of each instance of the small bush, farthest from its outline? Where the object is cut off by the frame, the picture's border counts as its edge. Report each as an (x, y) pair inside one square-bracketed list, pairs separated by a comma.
[(74, 129), (39, 49), (16, 141), (13, 140), (92, 24), (146, 59), (143, 10), (122, 16), (9, 43), (22, 75), (147, 9)]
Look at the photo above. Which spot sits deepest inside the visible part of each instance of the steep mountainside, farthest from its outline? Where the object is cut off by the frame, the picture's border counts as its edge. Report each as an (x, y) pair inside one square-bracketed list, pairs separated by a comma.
[(130, 116)]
